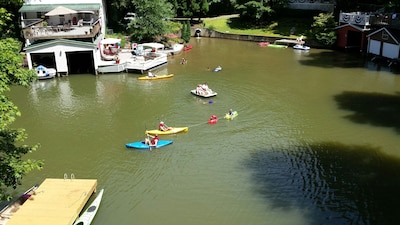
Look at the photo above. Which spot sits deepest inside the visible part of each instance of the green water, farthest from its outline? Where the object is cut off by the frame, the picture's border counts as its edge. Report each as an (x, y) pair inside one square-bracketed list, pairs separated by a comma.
[(316, 140)]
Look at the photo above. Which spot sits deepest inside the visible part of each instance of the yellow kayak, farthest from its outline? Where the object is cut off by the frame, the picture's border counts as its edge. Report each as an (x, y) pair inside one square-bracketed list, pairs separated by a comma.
[(156, 77), (173, 130)]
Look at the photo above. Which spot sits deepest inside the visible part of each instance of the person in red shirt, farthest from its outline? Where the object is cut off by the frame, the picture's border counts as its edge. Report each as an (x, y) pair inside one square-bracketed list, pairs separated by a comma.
[(163, 127), (153, 141)]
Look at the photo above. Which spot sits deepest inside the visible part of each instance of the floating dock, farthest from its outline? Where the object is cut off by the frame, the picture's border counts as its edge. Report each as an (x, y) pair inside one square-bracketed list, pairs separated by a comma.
[(129, 62), (56, 201)]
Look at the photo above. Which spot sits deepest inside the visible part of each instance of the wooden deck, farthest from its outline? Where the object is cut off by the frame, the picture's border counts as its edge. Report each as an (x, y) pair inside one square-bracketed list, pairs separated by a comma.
[(56, 202)]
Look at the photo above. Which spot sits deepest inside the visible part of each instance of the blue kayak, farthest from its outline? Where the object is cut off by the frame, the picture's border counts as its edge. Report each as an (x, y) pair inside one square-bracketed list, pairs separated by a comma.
[(142, 145)]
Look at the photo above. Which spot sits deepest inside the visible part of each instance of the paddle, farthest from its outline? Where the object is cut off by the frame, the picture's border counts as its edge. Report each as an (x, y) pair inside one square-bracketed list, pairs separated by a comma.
[(148, 141)]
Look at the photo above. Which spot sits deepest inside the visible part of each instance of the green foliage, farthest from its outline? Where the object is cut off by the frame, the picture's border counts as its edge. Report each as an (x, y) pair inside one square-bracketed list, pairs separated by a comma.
[(12, 166), (186, 31), (191, 8), (9, 19), (323, 28), (256, 11), (152, 19)]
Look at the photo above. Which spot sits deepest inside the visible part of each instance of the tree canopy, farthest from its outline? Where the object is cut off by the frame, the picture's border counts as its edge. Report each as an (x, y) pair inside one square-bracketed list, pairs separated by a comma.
[(152, 19), (257, 10), (12, 165)]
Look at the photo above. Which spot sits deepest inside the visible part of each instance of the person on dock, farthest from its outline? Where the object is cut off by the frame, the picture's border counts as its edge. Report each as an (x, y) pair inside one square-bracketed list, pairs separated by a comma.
[(163, 127), (151, 140)]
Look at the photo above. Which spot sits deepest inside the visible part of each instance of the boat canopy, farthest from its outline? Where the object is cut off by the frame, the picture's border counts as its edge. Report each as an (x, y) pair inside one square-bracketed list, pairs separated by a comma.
[(152, 45)]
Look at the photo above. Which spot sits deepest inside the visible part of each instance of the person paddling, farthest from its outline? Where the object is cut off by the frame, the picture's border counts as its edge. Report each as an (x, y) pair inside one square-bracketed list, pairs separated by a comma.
[(163, 127), (151, 142)]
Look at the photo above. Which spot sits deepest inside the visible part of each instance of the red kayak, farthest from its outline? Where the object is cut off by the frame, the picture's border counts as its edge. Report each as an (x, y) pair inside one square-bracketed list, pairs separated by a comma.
[(187, 47), (213, 119)]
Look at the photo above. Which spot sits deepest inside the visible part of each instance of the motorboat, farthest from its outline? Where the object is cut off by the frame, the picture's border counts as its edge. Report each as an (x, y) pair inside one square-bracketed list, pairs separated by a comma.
[(109, 48), (44, 73), (301, 47)]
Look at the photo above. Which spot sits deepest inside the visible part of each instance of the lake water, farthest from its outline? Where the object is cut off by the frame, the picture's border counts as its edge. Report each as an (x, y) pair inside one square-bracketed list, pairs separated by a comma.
[(316, 140)]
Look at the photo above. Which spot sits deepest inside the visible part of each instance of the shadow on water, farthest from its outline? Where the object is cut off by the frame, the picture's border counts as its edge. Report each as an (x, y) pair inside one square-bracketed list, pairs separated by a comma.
[(338, 59), (331, 182), (333, 59), (374, 108)]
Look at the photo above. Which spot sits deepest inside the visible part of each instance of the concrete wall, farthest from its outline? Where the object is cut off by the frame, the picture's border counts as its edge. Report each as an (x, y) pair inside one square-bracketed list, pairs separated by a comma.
[(204, 32)]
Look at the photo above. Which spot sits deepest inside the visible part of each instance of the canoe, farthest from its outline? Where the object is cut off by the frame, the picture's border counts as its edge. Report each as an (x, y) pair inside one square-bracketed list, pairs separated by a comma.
[(174, 130), (229, 117), (277, 46), (7, 212), (87, 216), (142, 145), (157, 77), (206, 95)]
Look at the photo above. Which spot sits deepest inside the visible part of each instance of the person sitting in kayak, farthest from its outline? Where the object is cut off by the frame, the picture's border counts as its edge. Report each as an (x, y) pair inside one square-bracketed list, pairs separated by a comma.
[(151, 142), (163, 127), (150, 74), (230, 112)]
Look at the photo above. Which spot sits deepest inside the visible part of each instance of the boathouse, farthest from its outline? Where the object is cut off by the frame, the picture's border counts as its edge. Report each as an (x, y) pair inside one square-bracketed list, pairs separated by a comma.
[(59, 35), (384, 42), (351, 36)]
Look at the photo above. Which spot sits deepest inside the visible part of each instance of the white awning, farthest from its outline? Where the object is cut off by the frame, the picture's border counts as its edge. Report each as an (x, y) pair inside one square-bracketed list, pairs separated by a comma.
[(110, 41), (60, 10)]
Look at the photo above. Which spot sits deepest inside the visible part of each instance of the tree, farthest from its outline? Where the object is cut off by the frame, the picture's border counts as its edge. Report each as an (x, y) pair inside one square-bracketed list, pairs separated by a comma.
[(152, 19), (191, 8), (323, 28), (255, 11), (12, 166), (9, 22), (186, 31)]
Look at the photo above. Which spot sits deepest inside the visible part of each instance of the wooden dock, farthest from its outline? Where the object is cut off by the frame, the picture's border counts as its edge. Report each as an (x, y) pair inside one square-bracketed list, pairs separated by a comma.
[(56, 201)]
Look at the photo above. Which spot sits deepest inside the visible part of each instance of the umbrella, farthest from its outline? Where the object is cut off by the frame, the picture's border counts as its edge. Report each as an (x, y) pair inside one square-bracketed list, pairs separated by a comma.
[(60, 10)]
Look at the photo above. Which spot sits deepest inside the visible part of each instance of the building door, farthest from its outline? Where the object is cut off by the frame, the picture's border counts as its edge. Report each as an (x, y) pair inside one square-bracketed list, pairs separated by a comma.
[(80, 62)]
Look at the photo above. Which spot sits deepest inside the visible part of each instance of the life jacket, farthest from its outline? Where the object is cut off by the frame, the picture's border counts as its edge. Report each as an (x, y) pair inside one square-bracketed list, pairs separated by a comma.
[(153, 141)]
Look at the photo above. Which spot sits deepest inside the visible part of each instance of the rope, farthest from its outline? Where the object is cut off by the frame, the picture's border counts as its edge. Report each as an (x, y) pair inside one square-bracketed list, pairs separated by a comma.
[(195, 125)]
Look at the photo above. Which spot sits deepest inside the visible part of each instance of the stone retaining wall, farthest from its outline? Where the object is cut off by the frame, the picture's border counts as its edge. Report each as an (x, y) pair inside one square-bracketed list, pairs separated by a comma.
[(204, 32)]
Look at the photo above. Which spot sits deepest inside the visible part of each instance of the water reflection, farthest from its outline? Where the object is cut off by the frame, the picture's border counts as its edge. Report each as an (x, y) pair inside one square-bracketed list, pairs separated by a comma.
[(331, 182)]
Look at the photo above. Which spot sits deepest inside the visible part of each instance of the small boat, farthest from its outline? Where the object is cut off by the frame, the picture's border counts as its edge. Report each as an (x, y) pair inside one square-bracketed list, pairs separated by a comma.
[(109, 48), (263, 44), (7, 212), (301, 47), (44, 73), (173, 130), (204, 94), (142, 145), (277, 46), (217, 69), (213, 119), (87, 216), (230, 117), (187, 47), (156, 77)]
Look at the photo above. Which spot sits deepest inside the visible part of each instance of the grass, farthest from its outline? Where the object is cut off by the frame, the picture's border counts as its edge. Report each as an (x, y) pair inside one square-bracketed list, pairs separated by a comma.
[(280, 27)]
